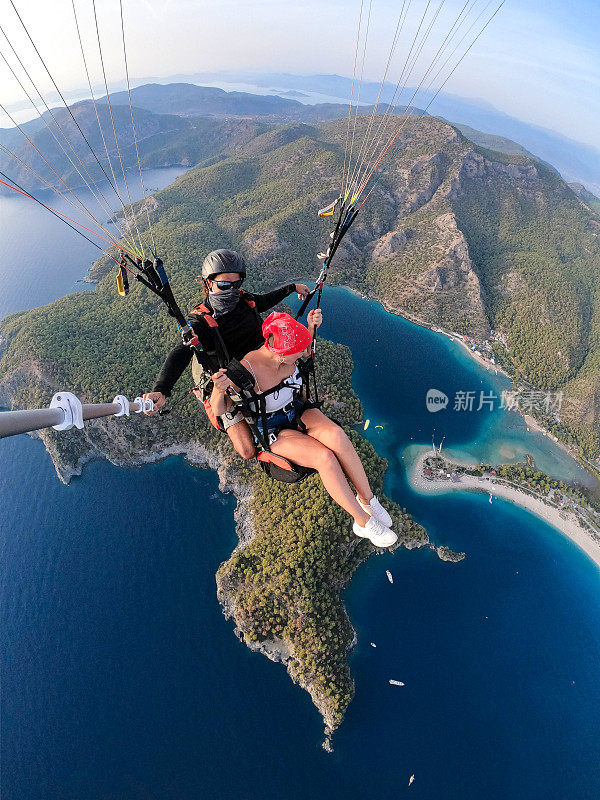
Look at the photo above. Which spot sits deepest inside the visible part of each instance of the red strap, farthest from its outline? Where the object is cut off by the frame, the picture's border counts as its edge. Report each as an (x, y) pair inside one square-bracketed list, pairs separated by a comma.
[(246, 299), (271, 458), (204, 312)]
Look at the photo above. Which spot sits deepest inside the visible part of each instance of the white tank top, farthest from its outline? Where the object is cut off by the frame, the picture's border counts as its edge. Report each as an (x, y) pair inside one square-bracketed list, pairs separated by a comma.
[(278, 400)]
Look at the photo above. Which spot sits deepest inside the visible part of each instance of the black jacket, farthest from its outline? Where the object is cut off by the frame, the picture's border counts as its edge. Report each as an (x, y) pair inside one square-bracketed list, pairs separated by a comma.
[(240, 330)]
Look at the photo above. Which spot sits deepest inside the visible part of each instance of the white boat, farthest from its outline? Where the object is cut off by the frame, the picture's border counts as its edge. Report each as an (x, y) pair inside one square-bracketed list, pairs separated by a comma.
[(373, 644), (367, 423), (390, 577), (396, 683), (412, 777)]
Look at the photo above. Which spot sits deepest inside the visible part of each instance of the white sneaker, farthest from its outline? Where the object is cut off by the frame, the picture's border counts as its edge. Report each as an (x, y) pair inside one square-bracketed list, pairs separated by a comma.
[(376, 532), (375, 509)]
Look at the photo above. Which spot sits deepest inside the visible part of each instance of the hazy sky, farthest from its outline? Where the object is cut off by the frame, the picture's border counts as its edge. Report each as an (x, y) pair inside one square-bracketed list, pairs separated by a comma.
[(538, 60)]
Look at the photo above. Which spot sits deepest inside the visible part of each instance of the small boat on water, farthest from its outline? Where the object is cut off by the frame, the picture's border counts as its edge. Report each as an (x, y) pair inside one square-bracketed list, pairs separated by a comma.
[(373, 644), (412, 777), (390, 577), (396, 683), (367, 423)]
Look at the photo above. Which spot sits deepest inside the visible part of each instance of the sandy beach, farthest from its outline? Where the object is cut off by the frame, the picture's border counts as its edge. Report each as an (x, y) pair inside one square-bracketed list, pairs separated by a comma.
[(565, 521), (484, 362)]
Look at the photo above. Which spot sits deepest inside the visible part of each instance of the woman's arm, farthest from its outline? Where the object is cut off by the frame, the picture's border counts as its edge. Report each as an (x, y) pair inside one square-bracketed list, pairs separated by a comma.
[(314, 319), (219, 401)]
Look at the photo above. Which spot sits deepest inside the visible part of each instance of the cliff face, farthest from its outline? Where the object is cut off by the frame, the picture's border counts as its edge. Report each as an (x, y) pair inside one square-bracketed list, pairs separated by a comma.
[(453, 236), (423, 267)]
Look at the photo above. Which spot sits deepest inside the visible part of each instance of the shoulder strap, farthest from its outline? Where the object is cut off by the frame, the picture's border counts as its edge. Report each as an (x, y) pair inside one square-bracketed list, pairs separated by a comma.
[(239, 375), (204, 313), (247, 299), (256, 383)]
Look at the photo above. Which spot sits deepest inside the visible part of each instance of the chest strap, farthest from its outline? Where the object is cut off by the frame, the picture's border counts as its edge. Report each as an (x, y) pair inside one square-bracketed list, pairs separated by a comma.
[(206, 314)]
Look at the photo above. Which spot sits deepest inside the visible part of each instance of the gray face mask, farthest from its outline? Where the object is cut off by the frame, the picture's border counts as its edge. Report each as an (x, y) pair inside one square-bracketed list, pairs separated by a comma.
[(225, 301)]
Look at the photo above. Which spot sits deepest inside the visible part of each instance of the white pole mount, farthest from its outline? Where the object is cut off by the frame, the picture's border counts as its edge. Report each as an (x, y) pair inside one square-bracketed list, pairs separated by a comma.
[(71, 407), (123, 402), (144, 404)]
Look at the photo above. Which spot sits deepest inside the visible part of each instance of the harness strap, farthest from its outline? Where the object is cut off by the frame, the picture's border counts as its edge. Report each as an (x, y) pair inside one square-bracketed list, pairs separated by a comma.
[(204, 313), (244, 380), (256, 404), (253, 373)]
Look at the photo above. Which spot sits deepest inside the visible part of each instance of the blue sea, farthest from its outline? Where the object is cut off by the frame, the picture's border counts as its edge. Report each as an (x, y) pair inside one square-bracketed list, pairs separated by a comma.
[(121, 679)]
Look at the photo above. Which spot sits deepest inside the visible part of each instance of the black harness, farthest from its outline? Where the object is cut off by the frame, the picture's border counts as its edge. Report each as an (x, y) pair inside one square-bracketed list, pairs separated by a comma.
[(218, 357), (252, 404)]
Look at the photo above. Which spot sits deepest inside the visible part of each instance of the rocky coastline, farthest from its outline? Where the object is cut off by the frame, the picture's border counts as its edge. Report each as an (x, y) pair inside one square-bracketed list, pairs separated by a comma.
[(135, 442)]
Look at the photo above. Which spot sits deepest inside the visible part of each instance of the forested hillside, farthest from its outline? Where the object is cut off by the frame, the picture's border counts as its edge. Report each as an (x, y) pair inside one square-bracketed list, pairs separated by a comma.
[(455, 236), (164, 140)]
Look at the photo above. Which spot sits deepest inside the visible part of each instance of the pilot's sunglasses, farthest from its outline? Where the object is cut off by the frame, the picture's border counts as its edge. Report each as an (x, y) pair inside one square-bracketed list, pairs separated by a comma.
[(229, 284)]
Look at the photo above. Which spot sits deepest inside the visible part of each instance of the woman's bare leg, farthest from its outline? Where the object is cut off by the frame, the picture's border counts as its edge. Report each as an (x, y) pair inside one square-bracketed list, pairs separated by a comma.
[(241, 438), (332, 436), (308, 452)]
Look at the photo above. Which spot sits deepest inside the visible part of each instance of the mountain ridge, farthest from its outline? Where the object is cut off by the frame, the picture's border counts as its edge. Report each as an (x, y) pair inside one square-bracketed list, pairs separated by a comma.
[(454, 236)]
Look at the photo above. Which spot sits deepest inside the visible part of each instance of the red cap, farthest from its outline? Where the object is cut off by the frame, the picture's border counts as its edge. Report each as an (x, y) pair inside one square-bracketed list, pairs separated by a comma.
[(289, 336)]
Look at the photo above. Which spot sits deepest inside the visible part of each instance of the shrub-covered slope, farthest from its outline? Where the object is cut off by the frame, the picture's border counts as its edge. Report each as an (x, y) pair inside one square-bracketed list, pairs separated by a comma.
[(454, 235)]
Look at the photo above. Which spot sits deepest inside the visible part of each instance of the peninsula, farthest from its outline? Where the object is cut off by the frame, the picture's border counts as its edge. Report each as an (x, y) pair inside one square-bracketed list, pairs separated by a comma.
[(296, 554), (562, 506)]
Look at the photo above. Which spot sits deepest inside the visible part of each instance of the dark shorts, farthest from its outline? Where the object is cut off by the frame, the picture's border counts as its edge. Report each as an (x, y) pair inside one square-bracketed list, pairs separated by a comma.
[(285, 419)]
